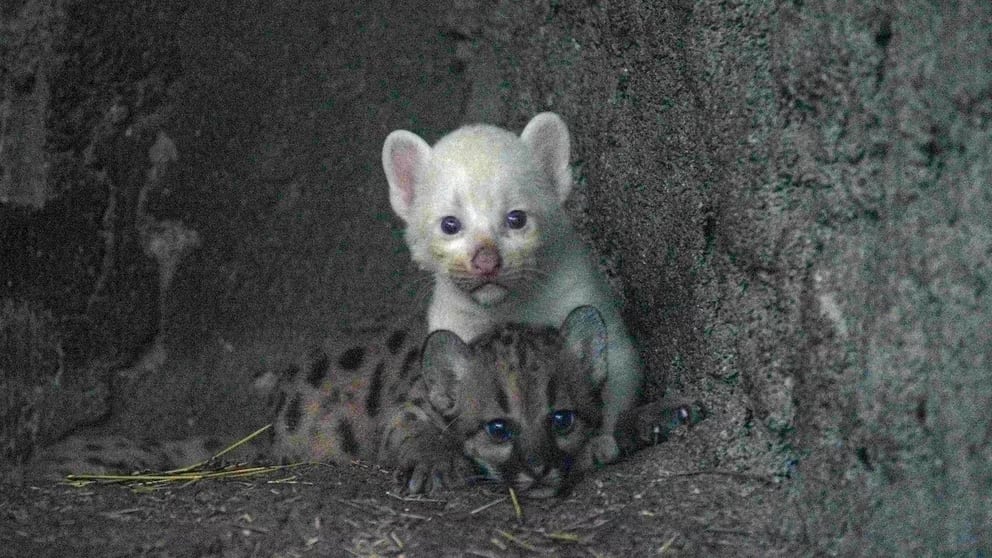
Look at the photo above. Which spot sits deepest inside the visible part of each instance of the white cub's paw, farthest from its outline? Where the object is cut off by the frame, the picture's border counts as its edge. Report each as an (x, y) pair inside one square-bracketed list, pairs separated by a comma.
[(602, 450)]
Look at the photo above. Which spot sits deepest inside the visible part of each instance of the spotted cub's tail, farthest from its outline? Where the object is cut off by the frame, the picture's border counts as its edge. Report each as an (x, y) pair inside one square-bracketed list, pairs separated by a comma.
[(106, 455)]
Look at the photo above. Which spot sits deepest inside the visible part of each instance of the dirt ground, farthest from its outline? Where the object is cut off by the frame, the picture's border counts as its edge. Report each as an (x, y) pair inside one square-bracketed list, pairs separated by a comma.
[(791, 199), (659, 502)]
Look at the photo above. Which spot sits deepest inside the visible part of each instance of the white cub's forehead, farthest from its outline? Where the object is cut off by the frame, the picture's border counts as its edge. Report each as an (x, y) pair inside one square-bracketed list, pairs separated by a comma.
[(476, 159)]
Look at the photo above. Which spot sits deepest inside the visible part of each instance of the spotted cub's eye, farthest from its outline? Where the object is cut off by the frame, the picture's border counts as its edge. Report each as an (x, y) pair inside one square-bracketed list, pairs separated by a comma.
[(499, 431), (516, 219), (562, 422), (450, 224)]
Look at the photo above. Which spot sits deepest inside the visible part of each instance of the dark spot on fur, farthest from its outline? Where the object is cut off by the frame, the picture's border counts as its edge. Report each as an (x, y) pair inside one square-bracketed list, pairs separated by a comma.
[(95, 461), (551, 341), (502, 400), (352, 358), (395, 341), (318, 370), (507, 338), (332, 399), (411, 358), (94, 447), (348, 441), (294, 413), (375, 391), (410, 416), (552, 390)]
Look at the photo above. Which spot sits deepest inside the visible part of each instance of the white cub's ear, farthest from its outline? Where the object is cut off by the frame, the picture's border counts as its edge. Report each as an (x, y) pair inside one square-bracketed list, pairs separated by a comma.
[(584, 332), (404, 158), (547, 136), (445, 360)]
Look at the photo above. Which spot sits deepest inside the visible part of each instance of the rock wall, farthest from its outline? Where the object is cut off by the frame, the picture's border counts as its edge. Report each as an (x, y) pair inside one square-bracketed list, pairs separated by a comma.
[(796, 200), (793, 200)]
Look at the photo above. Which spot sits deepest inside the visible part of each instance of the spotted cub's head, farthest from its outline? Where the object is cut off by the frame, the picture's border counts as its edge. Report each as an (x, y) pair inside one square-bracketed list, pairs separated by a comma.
[(483, 204), (525, 400)]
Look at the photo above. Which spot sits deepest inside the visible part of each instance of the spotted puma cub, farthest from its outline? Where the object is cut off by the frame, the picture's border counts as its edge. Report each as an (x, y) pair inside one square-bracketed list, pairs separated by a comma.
[(519, 402), (518, 405), (483, 213)]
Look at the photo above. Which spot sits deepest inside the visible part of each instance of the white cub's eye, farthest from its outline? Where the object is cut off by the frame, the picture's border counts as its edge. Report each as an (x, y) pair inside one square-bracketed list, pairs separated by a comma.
[(450, 224), (516, 219)]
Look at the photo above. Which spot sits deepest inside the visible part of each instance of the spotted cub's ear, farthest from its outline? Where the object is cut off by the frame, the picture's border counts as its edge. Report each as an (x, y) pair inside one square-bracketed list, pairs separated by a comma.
[(446, 360), (404, 158), (547, 137), (584, 332)]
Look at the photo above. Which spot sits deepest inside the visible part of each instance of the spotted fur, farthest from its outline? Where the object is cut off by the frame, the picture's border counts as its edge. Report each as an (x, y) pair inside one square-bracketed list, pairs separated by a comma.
[(519, 405), (115, 454), (523, 401), (429, 413), (333, 411)]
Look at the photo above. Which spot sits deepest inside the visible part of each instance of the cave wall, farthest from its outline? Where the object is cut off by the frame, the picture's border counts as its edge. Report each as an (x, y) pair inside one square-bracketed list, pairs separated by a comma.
[(83, 92), (793, 201)]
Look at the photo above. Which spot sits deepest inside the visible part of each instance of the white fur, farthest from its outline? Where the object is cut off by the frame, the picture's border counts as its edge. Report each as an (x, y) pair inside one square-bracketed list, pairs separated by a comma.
[(478, 174)]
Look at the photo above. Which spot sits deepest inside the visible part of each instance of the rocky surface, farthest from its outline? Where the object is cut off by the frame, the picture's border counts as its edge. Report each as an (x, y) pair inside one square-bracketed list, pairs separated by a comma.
[(793, 200)]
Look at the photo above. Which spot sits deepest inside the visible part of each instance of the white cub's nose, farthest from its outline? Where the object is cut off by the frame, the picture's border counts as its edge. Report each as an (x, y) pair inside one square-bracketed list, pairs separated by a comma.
[(486, 261)]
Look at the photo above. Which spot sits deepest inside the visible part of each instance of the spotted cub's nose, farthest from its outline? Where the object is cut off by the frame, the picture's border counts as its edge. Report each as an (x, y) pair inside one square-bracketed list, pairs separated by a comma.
[(539, 471), (486, 261)]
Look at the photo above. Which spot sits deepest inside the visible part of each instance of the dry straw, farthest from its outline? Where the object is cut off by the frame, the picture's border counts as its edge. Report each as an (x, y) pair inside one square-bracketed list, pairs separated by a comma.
[(211, 468)]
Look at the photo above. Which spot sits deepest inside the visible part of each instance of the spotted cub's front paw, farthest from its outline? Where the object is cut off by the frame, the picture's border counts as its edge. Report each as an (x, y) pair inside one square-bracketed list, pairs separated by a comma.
[(601, 450), (424, 468)]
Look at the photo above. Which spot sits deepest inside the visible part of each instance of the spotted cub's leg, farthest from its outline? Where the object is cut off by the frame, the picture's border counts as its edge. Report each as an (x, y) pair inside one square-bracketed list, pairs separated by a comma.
[(653, 423), (422, 454)]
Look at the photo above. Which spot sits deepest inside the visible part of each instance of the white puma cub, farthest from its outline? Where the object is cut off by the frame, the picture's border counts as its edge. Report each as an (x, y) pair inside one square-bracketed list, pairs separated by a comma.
[(483, 212)]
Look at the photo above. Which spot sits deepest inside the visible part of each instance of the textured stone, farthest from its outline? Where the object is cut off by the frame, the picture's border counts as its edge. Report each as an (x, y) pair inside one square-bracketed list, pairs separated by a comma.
[(796, 199), (793, 199)]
